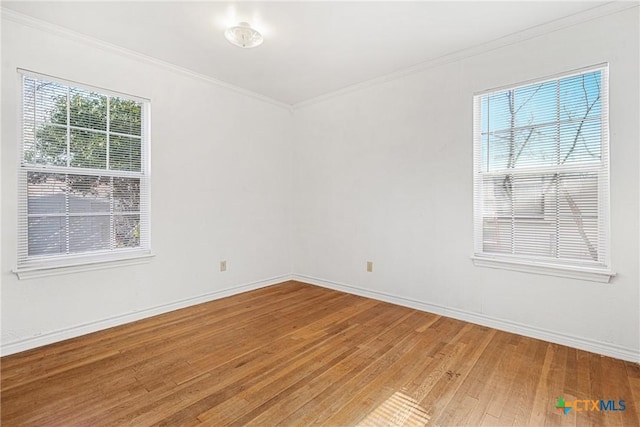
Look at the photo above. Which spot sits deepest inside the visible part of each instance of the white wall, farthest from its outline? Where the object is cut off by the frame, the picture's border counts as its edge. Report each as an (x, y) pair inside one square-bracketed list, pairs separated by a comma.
[(221, 189), (382, 174), (385, 174)]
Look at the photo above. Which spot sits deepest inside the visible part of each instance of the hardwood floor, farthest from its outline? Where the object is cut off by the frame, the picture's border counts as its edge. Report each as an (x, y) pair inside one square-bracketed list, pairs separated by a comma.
[(295, 354)]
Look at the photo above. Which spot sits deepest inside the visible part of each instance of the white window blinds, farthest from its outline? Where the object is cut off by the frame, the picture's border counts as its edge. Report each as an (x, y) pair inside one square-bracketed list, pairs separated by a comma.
[(541, 171), (83, 176)]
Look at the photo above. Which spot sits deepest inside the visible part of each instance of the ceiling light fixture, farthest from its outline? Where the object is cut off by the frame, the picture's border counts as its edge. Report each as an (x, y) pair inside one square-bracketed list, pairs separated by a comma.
[(243, 35)]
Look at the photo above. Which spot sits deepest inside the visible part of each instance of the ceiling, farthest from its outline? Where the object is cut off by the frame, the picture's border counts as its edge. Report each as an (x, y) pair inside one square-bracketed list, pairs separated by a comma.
[(310, 48)]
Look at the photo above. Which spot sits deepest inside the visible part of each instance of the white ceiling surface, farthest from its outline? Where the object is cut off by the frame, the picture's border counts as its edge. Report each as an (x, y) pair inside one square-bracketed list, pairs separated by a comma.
[(310, 48)]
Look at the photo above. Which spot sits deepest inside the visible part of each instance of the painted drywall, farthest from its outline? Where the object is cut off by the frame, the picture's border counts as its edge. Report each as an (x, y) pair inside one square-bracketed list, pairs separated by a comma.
[(220, 190), (384, 174)]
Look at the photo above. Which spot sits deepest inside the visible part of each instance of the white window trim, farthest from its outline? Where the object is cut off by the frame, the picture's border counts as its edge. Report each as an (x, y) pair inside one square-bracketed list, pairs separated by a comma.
[(533, 265), (547, 269), (83, 264), (74, 263)]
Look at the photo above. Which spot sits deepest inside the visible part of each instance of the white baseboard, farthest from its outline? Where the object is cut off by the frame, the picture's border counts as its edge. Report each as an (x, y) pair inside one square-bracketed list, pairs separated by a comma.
[(87, 328), (598, 347), (593, 346)]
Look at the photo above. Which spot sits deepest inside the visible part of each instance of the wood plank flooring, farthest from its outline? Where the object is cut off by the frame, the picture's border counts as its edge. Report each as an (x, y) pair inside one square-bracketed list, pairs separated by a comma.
[(295, 355)]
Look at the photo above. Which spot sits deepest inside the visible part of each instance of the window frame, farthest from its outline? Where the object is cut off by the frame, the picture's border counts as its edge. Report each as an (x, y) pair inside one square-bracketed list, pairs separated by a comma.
[(42, 265), (598, 272)]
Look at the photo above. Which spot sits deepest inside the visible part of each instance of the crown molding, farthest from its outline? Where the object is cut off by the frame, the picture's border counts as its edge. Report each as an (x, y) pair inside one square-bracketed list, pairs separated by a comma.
[(513, 38), (68, 34), (510, 39)]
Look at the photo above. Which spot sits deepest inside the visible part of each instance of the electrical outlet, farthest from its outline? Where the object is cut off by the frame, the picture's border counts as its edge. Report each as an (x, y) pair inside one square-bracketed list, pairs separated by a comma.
[(369, 266), (223, 265)]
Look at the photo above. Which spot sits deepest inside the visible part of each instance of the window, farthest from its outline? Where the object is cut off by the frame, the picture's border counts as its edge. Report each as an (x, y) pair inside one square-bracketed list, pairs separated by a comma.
[(541, 176), (83, 175)]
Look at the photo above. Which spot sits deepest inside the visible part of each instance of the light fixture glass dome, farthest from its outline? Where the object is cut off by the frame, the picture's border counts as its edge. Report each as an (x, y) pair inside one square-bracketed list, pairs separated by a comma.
[(243, 35)]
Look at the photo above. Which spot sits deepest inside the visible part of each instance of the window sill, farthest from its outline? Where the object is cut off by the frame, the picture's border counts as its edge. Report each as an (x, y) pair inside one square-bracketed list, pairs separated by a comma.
[(580, 273), (56, 270)]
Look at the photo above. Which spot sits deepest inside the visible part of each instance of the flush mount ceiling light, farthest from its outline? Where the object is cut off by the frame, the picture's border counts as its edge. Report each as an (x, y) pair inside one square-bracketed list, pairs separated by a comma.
[(243, 35)]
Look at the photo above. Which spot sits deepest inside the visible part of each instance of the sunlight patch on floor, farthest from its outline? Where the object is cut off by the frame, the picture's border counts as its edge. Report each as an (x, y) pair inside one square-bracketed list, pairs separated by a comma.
[(398, 410)]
